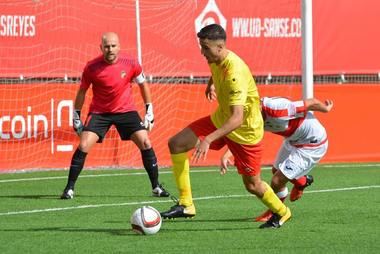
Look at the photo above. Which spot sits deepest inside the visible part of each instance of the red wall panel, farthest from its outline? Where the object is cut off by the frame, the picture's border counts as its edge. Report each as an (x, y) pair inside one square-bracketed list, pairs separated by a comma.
[(54, 38), (351, 126)]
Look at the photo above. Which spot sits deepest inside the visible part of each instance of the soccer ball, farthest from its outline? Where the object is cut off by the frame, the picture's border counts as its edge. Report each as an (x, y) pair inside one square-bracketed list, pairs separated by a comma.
[(146, 220)]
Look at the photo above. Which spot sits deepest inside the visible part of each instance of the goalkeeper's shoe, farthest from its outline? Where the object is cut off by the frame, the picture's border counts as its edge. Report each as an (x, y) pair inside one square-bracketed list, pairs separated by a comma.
[(67, 194), (160, 191), (265, 216), (276, 220), (179, 211), (297, 192)]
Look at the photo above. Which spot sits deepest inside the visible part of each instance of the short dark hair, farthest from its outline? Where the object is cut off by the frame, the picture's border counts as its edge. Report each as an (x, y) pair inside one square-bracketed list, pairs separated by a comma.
[(212, 32)]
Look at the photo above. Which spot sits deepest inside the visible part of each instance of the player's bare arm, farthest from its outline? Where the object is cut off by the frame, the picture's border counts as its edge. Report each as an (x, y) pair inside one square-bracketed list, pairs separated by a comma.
[(78, 104), (210, 90), (145, 92), (146, 95), (232, 123), (316, 105), (80, 98), (225, 161)]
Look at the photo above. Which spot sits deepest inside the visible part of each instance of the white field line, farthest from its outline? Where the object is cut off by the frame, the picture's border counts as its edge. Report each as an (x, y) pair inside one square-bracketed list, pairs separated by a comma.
[(169, 172), (166, 201), (100, 175)]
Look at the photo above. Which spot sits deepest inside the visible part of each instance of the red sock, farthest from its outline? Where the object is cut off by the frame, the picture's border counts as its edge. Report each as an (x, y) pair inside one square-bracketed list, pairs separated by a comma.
[(300, 182)]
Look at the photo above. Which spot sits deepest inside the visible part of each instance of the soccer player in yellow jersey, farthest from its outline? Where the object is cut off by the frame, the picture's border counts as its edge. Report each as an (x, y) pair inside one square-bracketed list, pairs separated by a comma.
[(237, 123)]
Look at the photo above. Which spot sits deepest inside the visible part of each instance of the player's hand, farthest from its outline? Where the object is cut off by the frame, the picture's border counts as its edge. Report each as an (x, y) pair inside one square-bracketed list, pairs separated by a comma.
[(200, 151), (149, 117), (224, 162), (77, 123), (210, 93), (329, 104)]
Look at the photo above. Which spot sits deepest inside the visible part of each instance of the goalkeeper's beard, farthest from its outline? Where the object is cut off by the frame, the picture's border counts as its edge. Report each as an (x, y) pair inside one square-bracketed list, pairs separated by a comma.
[(111, 58)]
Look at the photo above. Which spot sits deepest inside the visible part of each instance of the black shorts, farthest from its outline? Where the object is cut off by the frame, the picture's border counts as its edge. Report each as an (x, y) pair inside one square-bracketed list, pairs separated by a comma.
[(125, 123)]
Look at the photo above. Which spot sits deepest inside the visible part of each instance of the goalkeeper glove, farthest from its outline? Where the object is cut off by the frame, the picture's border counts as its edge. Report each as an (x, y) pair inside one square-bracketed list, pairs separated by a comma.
[(77, 123), (149, 117)]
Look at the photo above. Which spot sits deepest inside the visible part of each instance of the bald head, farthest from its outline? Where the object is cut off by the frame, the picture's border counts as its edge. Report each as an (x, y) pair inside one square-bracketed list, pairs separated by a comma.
[(107, 36), (110, 46)]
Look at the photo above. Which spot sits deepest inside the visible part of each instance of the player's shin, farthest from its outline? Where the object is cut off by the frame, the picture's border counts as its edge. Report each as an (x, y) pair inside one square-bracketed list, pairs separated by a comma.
[(77, 163), (181, 170), (271, 200), (150, 164)]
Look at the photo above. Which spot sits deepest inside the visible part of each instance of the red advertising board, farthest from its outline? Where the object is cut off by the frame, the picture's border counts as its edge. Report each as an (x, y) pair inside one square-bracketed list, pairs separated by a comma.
[(36, 131), (54, 38), (345, 37)]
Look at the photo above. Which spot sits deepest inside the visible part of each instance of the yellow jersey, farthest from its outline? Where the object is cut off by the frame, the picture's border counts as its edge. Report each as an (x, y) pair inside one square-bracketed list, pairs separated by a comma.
[(234, 85)]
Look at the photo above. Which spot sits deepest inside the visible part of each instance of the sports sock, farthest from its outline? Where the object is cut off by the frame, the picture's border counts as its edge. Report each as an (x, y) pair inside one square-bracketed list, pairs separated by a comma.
[(77, 162), (181, 171), (150, 164), (272, 201), (300, 182), (283, 194)]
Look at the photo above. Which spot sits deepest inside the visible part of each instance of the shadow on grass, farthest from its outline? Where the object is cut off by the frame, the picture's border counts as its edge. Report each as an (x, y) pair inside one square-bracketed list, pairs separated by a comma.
[(127, 231), (209, 226), (57, 196), (120, 232), (31, 196), (196, 220)]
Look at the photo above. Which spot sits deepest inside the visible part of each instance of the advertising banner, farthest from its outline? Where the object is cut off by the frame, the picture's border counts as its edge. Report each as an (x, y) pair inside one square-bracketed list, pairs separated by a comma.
[(54, 38), (266, 34), (36, 125)]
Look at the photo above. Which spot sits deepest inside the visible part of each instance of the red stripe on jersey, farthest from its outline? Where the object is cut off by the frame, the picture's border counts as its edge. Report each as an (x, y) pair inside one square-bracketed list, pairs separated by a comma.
[(275, 112), (301, 109), (292, 127), (284, 111)]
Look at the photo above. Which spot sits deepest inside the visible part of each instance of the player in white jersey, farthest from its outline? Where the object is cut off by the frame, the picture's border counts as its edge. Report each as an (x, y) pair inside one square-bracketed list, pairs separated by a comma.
[(305, 143)]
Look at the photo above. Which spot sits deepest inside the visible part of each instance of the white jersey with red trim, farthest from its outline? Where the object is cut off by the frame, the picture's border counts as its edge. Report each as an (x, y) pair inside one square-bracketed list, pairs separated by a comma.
[(291, 120)]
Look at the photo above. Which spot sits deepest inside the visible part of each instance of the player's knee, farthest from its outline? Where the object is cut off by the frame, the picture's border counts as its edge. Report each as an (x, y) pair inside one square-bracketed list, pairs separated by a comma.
[(173, 145), (84, 146), (146, 144), (141, 139), (251, 187), (87, 141), (253, 190), (180, 144), (248, 188)]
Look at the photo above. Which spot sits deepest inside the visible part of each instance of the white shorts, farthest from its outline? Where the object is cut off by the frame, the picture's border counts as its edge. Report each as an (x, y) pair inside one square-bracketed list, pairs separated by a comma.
[(296, 162)]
